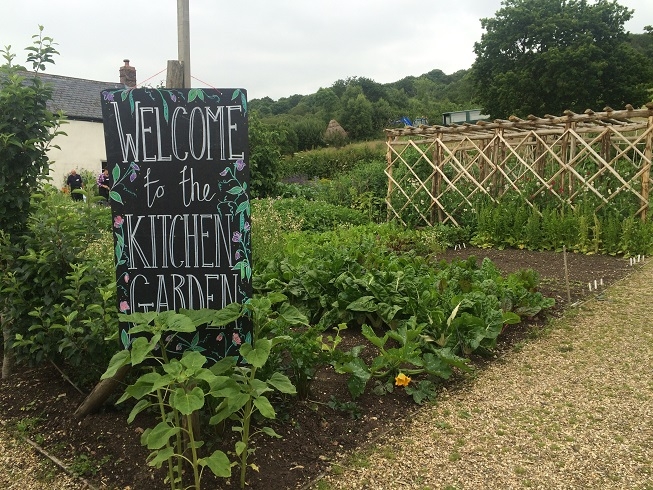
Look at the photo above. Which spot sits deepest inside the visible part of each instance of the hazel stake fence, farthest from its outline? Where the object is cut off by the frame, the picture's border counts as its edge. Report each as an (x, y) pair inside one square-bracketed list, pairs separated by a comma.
[(436, 174)]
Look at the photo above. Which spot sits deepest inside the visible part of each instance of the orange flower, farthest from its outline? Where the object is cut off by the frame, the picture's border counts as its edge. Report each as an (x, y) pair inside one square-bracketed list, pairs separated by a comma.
[(402, 380)]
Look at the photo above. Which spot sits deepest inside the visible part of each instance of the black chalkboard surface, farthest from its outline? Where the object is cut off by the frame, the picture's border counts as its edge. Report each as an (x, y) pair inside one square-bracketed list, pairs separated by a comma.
[(178, 160)]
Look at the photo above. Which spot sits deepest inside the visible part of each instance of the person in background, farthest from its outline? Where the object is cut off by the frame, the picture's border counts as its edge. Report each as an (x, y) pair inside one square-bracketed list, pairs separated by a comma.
[(104, 184), (74, 181)]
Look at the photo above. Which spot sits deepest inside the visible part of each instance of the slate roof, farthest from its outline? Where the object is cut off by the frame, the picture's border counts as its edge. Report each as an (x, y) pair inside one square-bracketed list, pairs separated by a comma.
[(79, 99)]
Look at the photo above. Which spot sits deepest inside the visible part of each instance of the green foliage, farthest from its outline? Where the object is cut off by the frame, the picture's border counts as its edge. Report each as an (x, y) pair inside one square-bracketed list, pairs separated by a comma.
[(57, 285), (307, 132), (318, 215), (546, 56), (330, 162), (270, 228), (352, 279), (264, 157), (27, 128), (364, 188), (509, 224), (364, 107), (358, 118), (183, 386)]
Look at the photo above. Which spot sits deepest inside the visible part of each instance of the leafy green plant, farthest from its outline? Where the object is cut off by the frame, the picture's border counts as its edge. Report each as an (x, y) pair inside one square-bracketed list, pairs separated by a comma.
[(57, 285), (182, 386), (177, 391), (85, 465), (243, 394), (27, 129), (405, 350), (319, 215)]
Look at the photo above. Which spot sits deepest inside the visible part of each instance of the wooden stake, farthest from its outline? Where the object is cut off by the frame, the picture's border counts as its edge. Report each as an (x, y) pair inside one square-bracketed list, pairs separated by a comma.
[(564, 254)]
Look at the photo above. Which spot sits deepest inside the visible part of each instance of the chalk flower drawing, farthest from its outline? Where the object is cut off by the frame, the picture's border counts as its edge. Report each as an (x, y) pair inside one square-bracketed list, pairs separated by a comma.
[(238, 203)]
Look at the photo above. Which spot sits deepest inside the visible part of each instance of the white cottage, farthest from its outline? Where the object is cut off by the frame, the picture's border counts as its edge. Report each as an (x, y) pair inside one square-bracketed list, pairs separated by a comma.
[(83, 147)]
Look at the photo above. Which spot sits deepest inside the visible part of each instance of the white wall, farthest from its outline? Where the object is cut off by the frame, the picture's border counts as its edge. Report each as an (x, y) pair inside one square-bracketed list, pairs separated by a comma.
[(82, 148)]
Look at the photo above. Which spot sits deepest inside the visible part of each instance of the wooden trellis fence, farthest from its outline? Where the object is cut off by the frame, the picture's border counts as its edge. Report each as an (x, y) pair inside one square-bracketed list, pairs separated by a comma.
[(597, 159)]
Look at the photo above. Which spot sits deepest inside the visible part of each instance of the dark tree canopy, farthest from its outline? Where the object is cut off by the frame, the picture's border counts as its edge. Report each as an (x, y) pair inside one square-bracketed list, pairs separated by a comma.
[(546, 56)]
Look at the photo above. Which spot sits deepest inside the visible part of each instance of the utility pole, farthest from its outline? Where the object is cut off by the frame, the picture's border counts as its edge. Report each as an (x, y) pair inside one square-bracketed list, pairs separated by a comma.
[(183, 38), (179, 70)]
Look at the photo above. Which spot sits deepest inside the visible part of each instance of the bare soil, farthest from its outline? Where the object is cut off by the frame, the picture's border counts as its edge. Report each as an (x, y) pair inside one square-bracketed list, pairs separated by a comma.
[(315, 432)]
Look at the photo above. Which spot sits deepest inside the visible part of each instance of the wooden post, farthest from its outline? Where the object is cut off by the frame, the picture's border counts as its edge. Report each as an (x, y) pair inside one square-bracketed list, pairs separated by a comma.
[(388, 171), (572, 154), (175, 74), (101, 393), (564, 157), (8, 354), (436, 185), (564, 254), (646, 175)]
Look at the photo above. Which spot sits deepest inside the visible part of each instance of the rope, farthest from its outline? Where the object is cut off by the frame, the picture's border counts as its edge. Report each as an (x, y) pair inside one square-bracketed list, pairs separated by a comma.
[(152, 76), (208, 84)]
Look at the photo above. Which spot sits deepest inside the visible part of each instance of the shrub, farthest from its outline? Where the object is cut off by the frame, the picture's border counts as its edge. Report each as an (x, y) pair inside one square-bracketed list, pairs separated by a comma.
[(58, 285), (329, 162), (318, 215)]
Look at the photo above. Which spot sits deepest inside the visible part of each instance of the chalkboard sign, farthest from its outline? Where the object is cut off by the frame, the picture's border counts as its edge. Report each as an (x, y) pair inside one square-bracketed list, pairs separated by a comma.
[(178, 163)]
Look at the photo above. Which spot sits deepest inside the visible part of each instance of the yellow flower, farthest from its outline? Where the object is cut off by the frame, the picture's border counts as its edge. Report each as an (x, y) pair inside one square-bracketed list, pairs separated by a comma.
[(402, 380)]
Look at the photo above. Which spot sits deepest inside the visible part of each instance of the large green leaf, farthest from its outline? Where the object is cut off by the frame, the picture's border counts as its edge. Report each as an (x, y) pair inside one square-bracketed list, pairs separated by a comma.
[(118, 360), (282, 383), (175, 322), (292, 315), (141, 347), (364, 303), (160, 457), (138, 408), (369, 334), (258, 355), (264, 407), (143, 386), (193, 361), (226, 315), (218, 463), (187, 402), (160, 435)]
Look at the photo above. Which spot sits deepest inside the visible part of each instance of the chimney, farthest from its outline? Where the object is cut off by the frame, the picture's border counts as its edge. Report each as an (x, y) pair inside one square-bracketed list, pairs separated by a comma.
[(128, 75)]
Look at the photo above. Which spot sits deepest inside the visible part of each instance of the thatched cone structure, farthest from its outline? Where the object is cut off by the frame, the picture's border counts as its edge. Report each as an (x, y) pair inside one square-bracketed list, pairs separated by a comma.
[(335, 134)]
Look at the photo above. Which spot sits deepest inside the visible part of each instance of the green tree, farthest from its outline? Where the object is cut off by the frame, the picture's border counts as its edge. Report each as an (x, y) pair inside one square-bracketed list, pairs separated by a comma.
[(357, 118), (265, 155), (545, 56), (382, 114), (326, 102), (27, 128), (310, 133)]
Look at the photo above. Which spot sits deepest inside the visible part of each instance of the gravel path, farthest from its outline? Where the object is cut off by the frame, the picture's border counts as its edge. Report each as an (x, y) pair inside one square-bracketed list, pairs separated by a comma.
[(570, 410), (23, 468)]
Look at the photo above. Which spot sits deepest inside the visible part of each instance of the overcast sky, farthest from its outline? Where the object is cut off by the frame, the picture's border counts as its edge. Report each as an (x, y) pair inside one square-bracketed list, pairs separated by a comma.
[(273, 48)]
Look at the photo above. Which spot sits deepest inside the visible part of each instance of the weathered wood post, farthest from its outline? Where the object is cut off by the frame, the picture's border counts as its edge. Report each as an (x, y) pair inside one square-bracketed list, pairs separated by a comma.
[(646, 175), (388, 172)]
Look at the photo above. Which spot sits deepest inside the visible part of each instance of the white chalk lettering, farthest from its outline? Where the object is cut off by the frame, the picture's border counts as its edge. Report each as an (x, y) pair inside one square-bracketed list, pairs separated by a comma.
[(200, 240), (175, 291), (204, 130)]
